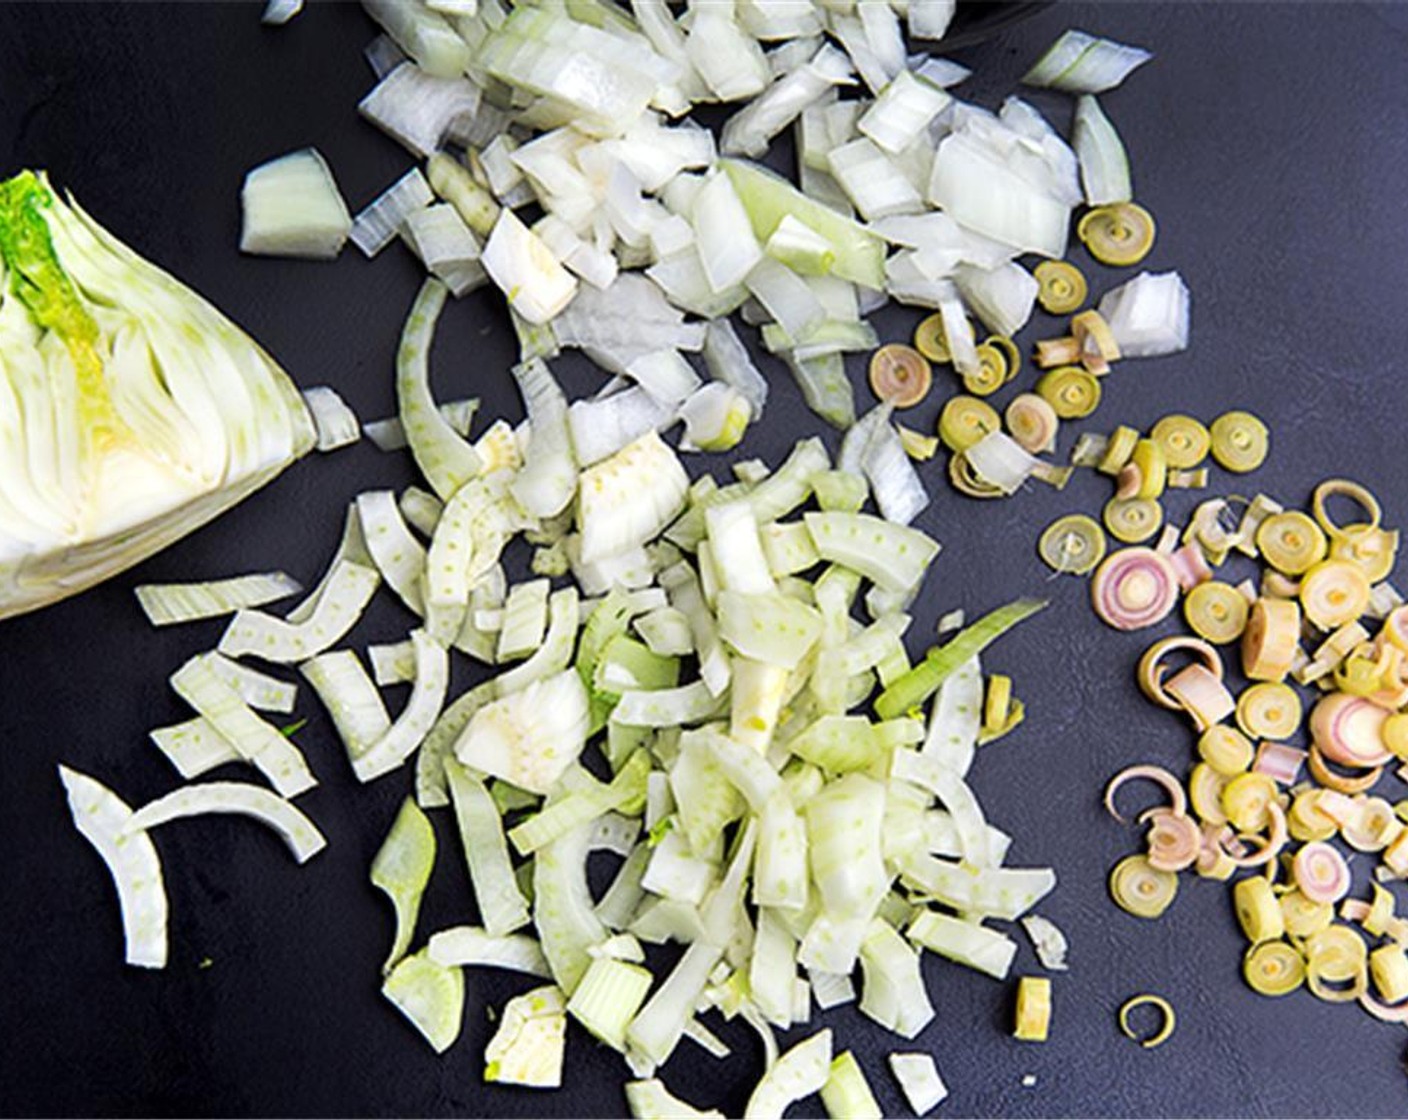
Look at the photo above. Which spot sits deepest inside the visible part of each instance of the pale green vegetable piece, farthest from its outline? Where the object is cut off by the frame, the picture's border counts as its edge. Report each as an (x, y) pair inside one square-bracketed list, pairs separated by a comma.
[(583, 806), (772, 968), (965, 942), (430, 995), (166, 603), (259, 690), (769, 627), (608, 997), (566, 921), (401, 870), (298, 832), (666, 631), (894, 557), (847, 1094), (528, 1046), (919, 1078), (997, 892), (952, 790), (501, 903), (800, 1072), (667, 707), (755, 701), (893, 992), (780, 876), (525, 620), (650, 1100), (411, 727), (544, 485), (626, 500), (101, 818), (194, 747), (398, 555), (432, 789), (350, 697), (470, 945), (531, 737), (339, 604), (131, 410), (469, 539), (554, 654), (292, 208), (443, 455)]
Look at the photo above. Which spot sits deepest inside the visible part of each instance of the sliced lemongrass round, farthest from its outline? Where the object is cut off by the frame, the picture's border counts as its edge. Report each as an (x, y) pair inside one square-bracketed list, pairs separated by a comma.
[(1187, 480), (900, 374), (967, 482), (1246, 799), (1184, 440), (1010, 351), (1074, 543), (1279, 761), (1148, 456), (931, 340), (1166, 1026), (1269, 710), (1119, 235), (965, 420), (1258, 911), (1271, 639), (1291, 542), (1395, 628), (1388, 965), (990, 374), (1132, 520), (1213, 862), (1239, 442), (1394, 734), (1173, 841), (1372, 549), (1201, 694), (1216, 611), (1140, 889), (1349, 730), (1303, 917), (1073, 393), (1177, 799), (1151, 669), (1321, 873), (1127, 481), (1349, 784), (1373, 827), (1343, 487), (1334, 592), (1336, 955), (1032, 422), (1263, 851), (1359, 675), (1061, 287), (1134, 588), (1306, 820), (1273, 968), (1118, 448), (1226, 750), (1205, 786)]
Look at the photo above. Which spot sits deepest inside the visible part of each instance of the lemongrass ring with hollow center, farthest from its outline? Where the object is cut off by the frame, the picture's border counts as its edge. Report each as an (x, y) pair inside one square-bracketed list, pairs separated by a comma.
[(1151, 669), (965, 420), (1132, 520), (1140, 889), (1173, 841), (1074, 544), (1134, 588), (1334, 592), (1343, 487), (1167, 1023), (1098, 347), (1269, 848), (966, 481), (1061, 287), (990, 374), (1239, 441), (1269, 710), (1320, 872), (1372, 549), (1291, 542), (1032, 422), (930, 339), (1072, 392), (1185, 441), (1303, 918), (900, 374), (1273, 968), (1010, 352), (1373, 827), (1349, 730), (1119, 235), (1216, 611), (1177, 798), (1247, 799), (1205, 788), (1118, 449)]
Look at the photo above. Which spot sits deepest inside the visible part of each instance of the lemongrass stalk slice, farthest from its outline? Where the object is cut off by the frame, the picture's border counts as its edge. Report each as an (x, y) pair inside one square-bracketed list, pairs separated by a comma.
[(340, 604), (1280, 762), (1134, 588), (101, 818), (1216, 612), (401, 870), (1373, 827), (1372, 549), (1095, 341), (1262, 852), (1140, 889), (919, 1079), (410, 728), (1173, 841), (200, 685), (1132, 520), (1269, 710), (1120, 234), (1388, 966), (1168, 1020), (965, 420), (1246, 800), (1291, 542), (1051, 352), (1074, 544), (900, 375), (989, 373), (1177, 799), (430, 995), (1033, 1011), (1343, 487), (298, 832), (1226, 749), (1271, 638), (167, 603), (1032, 422), (1239, 441), (1334, 592), (1332, 779), (1073, 393), (1062, 287), (1258, 910), (1349, 730)]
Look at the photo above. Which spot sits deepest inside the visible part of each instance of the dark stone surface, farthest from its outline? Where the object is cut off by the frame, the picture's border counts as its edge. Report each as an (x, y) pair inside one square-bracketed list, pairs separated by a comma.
[(1272, 144)]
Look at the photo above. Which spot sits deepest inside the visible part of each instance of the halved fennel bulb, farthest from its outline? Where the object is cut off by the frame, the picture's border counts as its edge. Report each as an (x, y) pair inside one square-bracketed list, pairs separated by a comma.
[(131, 411)]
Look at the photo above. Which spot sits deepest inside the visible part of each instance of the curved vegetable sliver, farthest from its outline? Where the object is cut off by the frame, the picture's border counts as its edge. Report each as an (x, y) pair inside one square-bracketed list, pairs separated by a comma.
[(431, 996), (1166, 1028), (800, 1072), (101, 818), (417, 717), (166, 603), (339, 606), (402, 869), (298, 832)]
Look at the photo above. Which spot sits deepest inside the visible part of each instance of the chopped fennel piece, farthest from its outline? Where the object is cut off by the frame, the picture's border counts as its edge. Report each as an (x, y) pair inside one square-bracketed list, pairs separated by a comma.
[(419, 110), (1104, 166), (376, 227), (383, 55), (715, 417), (410, 728), (894, 557), (919, 1077), (1081, 63), (629, 498), (772, 970), (472, 946), (665, 374), (397, 554), (279, 12), (298, 832), (199, 684), (563, 913), (667, 707), (350, 697), (893, 992), (608, 997), (389, 435), (724, 237), (600, 428), (786, 297), (895, 483), (525, 620), (167, 603), (847, 1094), (501, 903), (1050, 943), (768, 627), (333, 419), (956, 718), (451, 181), (998, 892), (401, 871), (536, 284), (582, 806), (194, 747), (798, 1073), (339, 605), (529, 738), (927, 772), (650, 1100), (292, 208), (1148, 315), (902, 112), (676, 874), (430, 995), (545, 484), (554, 654), (101, 818), (446, 246), (527, 1048)]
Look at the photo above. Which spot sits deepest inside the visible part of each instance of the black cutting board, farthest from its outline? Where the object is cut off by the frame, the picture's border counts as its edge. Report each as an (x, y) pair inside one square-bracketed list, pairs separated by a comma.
[(1271, 141)]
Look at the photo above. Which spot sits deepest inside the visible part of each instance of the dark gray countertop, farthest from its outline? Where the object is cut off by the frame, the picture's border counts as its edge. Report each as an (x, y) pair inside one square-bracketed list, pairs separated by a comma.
[(1271, 141)]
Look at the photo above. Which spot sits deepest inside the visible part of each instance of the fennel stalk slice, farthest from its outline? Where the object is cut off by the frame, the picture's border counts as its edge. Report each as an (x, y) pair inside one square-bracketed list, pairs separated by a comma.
[(131, 410)]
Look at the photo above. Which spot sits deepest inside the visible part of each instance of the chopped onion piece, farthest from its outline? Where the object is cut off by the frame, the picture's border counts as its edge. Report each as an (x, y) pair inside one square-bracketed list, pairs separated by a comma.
[(1148, 315), (919, 1077), (377, 226), (536, 284), (1081, 63), (1104, 167), (419, 110)]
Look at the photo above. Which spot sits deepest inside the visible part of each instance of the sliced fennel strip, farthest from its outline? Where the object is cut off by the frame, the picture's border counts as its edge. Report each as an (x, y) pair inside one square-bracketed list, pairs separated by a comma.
[(298, 832), (168, 603)]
